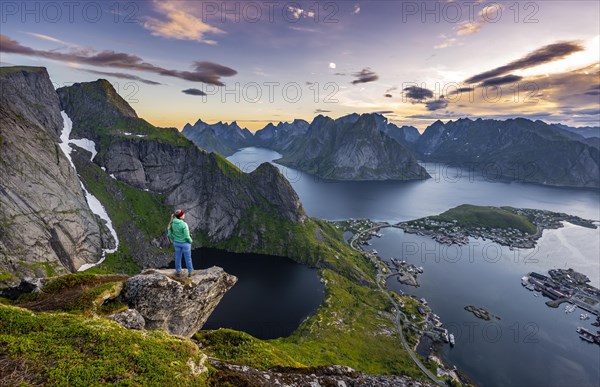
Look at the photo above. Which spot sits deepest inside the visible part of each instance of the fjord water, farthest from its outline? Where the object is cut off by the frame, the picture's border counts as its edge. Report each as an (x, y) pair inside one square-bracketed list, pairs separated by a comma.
[(532, 344), (272, 297), (399, 201)]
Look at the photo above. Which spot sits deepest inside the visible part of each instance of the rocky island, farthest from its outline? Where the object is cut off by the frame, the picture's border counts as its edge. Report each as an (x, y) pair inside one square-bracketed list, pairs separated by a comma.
[(480, 313), (507, 226)]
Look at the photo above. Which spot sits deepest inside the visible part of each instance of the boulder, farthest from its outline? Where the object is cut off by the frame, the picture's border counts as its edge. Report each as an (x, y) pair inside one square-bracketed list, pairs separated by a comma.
[(180, 306), (130, 319)]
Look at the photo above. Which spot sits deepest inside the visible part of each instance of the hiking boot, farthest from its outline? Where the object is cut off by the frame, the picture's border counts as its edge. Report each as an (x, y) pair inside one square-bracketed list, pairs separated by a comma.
[(179, 274), (190, 273)]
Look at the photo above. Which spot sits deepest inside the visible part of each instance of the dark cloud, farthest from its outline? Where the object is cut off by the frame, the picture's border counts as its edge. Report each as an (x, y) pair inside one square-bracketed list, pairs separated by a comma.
[(122, 76), (205, 72), (594, 92), (461, 90), (318, 111), (193, 92), (584, 112), (382, 112), (501, 80), (597, 87), (309, 83), (364, 76), (387, 95), (340, 74), (540, 56), (436, 104), (416, 93)]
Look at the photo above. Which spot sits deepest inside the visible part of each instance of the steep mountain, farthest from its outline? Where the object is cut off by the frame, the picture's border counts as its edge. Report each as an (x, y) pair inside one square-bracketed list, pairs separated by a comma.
[(162, 163), (585, 131), (281, 137), (46, 224), (221, 137), (352, 148), (518, 149)]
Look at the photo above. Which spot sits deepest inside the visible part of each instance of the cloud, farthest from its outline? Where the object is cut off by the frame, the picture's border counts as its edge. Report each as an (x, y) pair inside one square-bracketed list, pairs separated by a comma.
[(297, 13), (468, 28), (418, 94), (449, 42), (193, 92), (49, 38), (387, 95), (501, 80), (383, 112), (332, 65), (540, 56), (205, 72), (303, 29), (319, 111), (364, 76), (356, 9), (461, 90), (179, 23), (436, 104)]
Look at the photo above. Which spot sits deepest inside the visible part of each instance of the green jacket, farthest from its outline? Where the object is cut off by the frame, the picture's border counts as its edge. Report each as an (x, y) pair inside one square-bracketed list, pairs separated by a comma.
[(179, 231)]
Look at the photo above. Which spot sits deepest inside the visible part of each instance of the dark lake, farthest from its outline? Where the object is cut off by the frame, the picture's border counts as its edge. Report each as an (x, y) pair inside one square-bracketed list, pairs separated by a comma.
[(272, 297)]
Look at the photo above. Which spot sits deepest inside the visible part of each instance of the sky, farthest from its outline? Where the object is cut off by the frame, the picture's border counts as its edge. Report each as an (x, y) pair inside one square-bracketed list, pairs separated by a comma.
[(257, 62)]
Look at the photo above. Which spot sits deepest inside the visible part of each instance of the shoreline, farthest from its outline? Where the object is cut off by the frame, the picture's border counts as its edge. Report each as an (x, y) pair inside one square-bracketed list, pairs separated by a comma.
[(361, 238)]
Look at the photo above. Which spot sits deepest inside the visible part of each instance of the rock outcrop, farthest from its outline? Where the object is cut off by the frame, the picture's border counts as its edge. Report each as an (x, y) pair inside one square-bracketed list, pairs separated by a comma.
[(353, 148), (46, 225), (130, 319), (178, 306), (333, 375)]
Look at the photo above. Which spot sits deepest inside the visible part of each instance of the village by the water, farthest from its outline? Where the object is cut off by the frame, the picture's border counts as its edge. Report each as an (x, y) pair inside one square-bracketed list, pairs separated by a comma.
[(563, 287)]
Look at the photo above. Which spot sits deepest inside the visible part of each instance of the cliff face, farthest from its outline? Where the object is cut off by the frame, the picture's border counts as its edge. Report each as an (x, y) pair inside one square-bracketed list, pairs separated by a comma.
[(46, 224), (353, 148), (518, 149), (215, 194)]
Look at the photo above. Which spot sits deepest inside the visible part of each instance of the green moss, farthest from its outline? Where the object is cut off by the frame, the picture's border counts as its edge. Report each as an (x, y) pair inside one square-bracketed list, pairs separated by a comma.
[(5, 276), (227, 167), (120, 262), (63, 349), (75, 293), (242, 349), (490, 217)]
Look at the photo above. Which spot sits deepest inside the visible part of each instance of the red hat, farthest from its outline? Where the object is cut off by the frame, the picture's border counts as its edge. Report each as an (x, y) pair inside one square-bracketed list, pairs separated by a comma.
[(179, 213)]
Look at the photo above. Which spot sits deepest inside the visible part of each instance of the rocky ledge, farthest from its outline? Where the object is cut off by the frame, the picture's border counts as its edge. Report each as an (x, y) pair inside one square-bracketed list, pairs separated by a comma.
[(179, 306), (334, 375)]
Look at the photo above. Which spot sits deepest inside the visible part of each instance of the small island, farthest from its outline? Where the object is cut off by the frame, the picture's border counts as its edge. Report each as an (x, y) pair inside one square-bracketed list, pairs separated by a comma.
[(507, 226), (480, 313)]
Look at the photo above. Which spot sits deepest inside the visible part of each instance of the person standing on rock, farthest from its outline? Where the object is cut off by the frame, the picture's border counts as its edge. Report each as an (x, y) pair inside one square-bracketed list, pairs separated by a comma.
[(179, 233)]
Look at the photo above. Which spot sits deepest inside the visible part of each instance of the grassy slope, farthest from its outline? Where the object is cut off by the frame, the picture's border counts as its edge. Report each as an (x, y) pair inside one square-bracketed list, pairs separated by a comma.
[(69, 342), (491, 217), (66, 349)]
